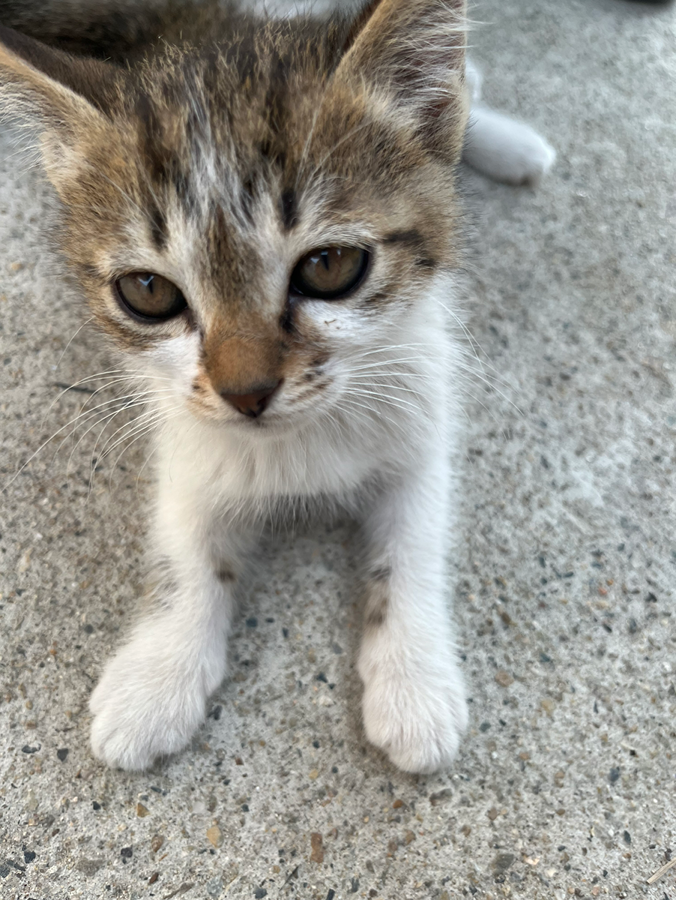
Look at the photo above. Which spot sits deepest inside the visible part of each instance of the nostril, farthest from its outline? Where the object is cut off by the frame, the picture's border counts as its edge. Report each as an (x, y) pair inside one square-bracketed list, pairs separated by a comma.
[(254, 401)]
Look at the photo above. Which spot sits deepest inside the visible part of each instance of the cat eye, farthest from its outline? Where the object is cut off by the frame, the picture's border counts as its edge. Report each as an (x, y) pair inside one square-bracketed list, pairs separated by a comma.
[(150, 296), (330, 272)]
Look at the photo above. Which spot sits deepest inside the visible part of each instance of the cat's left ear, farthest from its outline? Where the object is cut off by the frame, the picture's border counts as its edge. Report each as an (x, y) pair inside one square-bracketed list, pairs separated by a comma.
[(61, 98), (412, 53)]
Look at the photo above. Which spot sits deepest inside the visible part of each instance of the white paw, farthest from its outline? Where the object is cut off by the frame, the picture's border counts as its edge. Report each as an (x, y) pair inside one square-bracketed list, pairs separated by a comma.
[(145, 706), (506, 150), (416, 718)]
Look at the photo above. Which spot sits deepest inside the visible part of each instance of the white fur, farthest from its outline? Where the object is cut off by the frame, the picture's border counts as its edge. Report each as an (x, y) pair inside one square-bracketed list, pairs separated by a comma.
[(218, 484), (151, 696), (414, 701)]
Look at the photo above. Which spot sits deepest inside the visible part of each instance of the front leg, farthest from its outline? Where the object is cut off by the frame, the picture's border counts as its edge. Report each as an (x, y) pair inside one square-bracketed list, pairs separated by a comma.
[(152, 694), (414, 699)]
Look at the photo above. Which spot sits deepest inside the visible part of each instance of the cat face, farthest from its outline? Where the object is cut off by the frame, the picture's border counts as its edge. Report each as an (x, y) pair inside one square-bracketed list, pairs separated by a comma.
[(254, 225)]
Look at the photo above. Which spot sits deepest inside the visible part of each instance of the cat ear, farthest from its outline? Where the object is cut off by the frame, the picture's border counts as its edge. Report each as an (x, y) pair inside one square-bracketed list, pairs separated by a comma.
[(414, 52), (62, 98)]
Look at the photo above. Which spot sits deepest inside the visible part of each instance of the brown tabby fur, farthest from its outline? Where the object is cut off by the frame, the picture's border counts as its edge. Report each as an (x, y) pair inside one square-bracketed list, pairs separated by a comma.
[(228, 139)]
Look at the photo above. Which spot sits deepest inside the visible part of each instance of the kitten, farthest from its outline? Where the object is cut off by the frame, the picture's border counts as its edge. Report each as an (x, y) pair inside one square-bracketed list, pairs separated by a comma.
[(263, 218)]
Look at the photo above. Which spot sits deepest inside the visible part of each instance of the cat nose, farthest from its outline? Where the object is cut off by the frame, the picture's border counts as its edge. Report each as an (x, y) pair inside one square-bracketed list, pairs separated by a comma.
[(255, 401)]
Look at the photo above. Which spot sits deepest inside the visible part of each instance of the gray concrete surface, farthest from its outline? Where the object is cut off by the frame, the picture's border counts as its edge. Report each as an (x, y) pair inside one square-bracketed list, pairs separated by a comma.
[(564, 576)]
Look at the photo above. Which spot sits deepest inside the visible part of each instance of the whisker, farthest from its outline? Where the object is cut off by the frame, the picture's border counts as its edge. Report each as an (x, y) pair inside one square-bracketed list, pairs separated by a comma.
[(84, 325), (398, 401), (50, 439), (389, 380), (83, 415), (490, 384), (138, 428), (474, 343), (380, 364), (370, 409), (107, 418), (153, 413), (75, 385)]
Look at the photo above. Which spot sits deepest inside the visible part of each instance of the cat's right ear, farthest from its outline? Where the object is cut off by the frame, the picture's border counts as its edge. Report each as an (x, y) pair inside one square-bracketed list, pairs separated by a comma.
[(410, 54), (62, 100)]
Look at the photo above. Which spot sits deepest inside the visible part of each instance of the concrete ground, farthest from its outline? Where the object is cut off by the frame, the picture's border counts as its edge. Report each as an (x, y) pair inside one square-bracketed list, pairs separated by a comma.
[(564, 578)]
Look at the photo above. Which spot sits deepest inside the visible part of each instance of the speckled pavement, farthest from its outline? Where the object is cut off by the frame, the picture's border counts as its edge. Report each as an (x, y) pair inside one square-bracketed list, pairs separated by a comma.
[(564, 575)]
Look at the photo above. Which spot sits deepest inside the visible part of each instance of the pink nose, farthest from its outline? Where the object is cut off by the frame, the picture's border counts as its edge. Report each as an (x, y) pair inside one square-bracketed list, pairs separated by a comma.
[(253, 403)]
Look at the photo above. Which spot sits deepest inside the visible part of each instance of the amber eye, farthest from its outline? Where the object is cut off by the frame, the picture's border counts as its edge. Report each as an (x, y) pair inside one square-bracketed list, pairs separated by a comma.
[(150, 296), (330, 272)]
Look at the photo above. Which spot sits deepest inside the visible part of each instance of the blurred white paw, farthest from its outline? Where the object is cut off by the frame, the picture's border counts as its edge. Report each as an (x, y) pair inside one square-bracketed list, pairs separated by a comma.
[(144, 708), (416, 719), (506, 150)]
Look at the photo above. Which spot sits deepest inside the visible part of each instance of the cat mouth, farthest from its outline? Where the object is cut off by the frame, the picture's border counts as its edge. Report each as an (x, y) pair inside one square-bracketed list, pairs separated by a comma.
[(269, 420)]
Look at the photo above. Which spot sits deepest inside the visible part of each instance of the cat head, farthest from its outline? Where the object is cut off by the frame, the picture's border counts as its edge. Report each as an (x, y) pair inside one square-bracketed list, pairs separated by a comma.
[(249, 219)]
